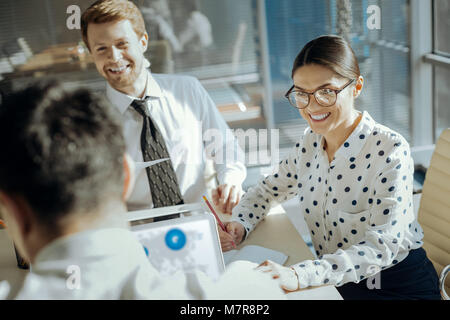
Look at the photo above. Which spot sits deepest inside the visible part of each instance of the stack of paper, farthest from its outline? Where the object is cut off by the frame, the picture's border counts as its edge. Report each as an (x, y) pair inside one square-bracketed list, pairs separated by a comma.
[(256, 254)]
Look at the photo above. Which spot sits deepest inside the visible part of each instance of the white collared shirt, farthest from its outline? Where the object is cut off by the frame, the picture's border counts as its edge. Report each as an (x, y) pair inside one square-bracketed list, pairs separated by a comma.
[(358, 207), (188, 120), (111, 264)]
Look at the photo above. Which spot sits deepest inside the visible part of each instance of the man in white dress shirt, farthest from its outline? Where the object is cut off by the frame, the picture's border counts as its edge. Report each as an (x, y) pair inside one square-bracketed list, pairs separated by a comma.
[(63, 180), (175, 108)]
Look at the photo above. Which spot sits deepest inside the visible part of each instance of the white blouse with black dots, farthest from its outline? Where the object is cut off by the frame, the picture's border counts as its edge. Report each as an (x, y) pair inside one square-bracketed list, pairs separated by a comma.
[(358, 207)]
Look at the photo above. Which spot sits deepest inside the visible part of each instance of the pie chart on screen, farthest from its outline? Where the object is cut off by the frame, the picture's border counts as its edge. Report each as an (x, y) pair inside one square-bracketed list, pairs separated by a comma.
[(175, 239)]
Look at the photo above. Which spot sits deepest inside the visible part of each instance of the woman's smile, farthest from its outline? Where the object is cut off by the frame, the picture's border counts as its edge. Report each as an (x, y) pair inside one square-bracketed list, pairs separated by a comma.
[(319, 117)]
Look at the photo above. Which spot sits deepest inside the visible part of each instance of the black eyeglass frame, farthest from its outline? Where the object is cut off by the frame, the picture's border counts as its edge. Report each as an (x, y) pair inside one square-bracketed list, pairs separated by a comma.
[(336, 91)]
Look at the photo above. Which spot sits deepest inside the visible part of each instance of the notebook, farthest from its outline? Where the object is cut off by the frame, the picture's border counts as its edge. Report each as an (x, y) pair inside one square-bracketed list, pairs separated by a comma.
[(256, 254)]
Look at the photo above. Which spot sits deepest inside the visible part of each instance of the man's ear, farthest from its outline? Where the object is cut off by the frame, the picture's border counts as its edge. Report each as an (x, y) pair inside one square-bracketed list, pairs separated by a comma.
[(16, 210), (144, 42), (128, 185)]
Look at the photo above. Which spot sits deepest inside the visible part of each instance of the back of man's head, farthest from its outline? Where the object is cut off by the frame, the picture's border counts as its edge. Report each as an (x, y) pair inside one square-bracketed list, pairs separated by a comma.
[(62, 151)]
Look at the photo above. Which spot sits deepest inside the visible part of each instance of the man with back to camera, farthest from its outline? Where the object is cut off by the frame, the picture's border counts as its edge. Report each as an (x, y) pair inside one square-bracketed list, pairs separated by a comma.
[(163, 115), (63, 181)]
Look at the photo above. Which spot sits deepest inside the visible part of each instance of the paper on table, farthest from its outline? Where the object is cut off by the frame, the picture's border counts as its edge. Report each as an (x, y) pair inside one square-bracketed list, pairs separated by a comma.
[(142, 165), (4, 290), (256, 254), (135, 170), (328, 292)]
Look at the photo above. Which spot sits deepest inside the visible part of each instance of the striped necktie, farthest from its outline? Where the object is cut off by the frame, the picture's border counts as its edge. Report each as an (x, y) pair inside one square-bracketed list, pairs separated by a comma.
[(161, 177)]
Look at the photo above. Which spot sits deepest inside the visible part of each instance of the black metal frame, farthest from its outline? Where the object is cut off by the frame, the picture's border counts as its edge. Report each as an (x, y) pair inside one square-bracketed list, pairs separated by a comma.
[(336, 91)]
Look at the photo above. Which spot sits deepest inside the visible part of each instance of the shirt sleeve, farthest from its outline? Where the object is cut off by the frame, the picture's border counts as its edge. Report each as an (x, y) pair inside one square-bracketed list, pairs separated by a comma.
[(280, 186), (220, 142), (389, 217)]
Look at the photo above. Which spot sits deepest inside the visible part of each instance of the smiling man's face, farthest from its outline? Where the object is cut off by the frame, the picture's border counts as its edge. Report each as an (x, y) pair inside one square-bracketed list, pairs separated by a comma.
[(118, 53)]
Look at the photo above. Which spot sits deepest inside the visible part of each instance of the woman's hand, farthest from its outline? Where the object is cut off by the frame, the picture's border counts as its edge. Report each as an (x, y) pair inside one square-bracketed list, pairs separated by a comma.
[(235, 232), (226, 197), (287, 277)]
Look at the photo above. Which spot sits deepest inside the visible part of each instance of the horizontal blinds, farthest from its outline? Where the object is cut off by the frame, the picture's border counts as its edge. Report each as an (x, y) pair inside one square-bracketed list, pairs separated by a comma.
[(383, 56), (42, 23), (233, 47)]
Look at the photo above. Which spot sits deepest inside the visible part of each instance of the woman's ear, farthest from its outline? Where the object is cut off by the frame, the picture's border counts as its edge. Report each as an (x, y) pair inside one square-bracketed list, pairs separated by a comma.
[(128, 185), (358, 87)]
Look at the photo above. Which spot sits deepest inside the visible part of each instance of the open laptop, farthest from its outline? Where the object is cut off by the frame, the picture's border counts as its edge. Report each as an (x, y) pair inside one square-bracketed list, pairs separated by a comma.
[(190, 242)]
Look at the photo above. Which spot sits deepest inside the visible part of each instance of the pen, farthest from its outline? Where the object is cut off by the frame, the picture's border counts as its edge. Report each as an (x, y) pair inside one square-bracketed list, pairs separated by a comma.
[(217, 218)]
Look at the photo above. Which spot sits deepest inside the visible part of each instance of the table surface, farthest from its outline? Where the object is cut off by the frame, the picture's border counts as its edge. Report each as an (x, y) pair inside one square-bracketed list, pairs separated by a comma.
[(274, 232), (8, 264)]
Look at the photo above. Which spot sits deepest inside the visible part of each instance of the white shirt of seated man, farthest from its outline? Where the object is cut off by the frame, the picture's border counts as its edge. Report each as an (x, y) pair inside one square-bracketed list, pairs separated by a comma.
[(106, 261)]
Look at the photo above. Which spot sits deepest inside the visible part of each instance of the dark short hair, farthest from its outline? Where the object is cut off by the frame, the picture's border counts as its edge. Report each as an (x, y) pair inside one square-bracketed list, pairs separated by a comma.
[(62, 150), (330, 51)]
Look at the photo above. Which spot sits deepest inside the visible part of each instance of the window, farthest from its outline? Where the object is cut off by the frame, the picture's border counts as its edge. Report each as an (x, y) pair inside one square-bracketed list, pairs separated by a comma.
[(215, 41), (441, 72), (442, 97), (383, 56), (441, 27), (208, 39)]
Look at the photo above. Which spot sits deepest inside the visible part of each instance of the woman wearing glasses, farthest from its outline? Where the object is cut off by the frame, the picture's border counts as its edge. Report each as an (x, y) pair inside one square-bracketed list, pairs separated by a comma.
[(354, 178)]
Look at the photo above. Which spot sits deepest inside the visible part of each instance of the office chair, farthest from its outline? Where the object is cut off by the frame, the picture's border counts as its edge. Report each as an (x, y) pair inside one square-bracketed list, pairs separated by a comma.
[(434, 211)]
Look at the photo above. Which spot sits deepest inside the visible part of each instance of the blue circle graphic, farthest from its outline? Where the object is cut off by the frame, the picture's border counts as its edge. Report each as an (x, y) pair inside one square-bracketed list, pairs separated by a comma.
[(175, 239)]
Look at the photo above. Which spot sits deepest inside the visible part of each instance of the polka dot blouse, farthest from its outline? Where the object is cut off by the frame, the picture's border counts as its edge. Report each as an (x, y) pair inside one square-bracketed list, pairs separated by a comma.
[(358, 207)]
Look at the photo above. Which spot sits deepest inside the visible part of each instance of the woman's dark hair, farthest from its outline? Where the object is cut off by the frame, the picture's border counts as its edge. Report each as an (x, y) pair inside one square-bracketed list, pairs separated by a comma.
[(332, 52)]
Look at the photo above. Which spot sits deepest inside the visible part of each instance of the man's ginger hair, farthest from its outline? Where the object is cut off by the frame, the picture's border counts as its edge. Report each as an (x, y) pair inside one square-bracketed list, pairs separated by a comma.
[(103, 11)]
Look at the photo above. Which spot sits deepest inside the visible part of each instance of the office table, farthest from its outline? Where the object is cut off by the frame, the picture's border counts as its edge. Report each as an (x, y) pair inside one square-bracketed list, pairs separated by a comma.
[(8, 264), (276, 232)]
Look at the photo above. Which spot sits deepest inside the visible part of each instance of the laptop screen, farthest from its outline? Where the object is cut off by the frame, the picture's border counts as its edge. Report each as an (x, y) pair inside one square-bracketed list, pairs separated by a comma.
[(186, 243)]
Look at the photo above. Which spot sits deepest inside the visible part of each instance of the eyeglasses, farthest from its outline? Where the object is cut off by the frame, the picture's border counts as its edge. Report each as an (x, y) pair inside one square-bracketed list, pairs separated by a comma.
[(325, 97)]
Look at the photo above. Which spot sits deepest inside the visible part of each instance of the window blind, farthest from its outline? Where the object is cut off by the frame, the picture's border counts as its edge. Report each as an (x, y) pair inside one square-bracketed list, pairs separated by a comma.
[(383, 56)]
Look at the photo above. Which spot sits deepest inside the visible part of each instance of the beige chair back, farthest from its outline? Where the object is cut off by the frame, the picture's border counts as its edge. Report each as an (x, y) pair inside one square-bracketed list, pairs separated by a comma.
[(434, 211)]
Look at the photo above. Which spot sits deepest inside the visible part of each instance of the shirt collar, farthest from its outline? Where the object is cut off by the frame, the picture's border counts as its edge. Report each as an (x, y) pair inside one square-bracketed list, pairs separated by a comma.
[(358, 138), (122, 101), (90, 243), (355, 142)]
